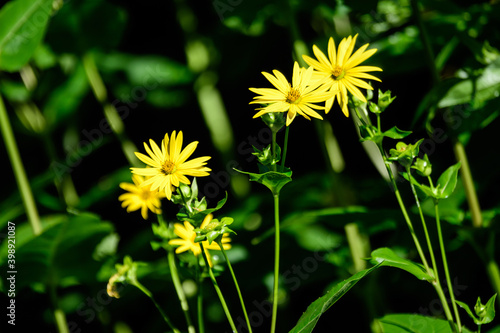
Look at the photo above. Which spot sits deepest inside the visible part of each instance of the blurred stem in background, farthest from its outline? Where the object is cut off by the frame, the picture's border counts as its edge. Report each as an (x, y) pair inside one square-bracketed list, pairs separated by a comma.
[(458, 147), (112, 116), (461, 156), (200, 60), (19, 172), (31, 117)]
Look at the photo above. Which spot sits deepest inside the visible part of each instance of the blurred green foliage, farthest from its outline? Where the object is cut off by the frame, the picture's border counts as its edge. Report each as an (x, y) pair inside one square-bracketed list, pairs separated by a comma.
[(187, 65)]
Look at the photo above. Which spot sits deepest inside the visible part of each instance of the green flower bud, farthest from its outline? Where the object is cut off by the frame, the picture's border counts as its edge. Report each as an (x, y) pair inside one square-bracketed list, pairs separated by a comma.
[(423, 166), (265, 156), (384, 99), (404, 153), (274, 120), (214, 230), (480, 309), (374, 108)]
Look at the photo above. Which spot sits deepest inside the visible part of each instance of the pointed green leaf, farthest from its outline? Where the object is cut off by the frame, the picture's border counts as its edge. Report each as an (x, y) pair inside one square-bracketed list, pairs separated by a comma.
[(387, 257), (310, 318), (469, 312), (447, 182), (196, 218), (22, 27), (396, 133), (398, 323), (486, 312), (273, 180), (424, 188)]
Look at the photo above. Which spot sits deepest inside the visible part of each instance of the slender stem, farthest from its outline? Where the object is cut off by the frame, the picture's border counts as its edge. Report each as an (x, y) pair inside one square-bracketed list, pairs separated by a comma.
[(217, 289), (199, 299), (285, 148), (237, 286), (150, 295), (378, 122), (59, 315), (424, 36), (437, 281), (276, 260), (273, 148), (19, 172), (114, 119), (470, 190), (405, 213), (190, 210), (446, 270)]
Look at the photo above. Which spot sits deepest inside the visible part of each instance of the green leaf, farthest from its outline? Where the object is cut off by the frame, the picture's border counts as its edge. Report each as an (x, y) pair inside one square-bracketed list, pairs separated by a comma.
[(486, 313), (413, 323), (424, 188), (22, 27), (62, 253), (396, 133), (447, 182), (469, 311), (485, 87), (310, 318), (273, 180), (386, 257), (197, 218)]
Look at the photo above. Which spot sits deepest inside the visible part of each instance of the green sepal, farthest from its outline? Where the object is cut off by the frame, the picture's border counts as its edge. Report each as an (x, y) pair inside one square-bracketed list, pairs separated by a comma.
[(447, 182), (484, 313), (404, 154), (273, 180), (423, 166), (387, 257), (384, 100), (265, 156), (197, 216), (274, 120), (214, 230)]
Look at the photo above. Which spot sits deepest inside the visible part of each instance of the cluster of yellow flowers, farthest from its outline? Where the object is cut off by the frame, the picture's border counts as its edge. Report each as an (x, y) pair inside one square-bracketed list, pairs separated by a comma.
[(167, 165), (327, 78)]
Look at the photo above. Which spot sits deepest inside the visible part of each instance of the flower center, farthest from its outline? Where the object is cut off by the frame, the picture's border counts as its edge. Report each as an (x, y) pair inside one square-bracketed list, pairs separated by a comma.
[(293, 96), (168, 168), (337, 73)]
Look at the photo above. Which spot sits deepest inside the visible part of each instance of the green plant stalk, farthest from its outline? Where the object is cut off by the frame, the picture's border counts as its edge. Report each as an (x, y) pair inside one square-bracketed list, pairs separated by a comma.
[(59, 315), (163, 314), (236, 284), (178, 288), (276, 197), (285, 149), (19, 172), (446, 270), (217, 289), (470, 190), (273, 148), (115, 121), (437, 281), (199, 298)]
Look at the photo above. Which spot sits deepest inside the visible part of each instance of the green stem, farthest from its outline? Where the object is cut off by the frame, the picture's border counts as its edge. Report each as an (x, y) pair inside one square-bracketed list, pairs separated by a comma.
[(199, 299), (236, 284), (150, 295), (285, 149), (19, 172), (273, 147), (446, 270), (217, 289), (114, 119), (59, 315), (470, 190), (276, 259), (190, 210), (424, 36), (437, 281), (405, 213)]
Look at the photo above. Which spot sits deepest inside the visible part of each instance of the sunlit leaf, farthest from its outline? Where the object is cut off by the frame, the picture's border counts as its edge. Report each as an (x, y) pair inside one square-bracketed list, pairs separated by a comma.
[(386, 257)]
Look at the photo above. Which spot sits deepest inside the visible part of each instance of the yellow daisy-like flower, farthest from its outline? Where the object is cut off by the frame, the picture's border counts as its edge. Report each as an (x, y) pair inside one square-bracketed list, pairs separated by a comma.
[(341, 70), (140, 197), (187, 235), (296, 98), (168, 165)]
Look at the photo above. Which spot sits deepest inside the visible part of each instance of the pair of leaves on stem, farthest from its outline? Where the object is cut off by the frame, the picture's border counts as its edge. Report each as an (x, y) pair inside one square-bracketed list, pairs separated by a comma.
[(445, 185)]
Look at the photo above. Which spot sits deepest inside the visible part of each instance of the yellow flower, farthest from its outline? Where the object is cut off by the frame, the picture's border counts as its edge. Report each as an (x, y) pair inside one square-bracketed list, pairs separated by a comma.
[(297, 97), (168, 166), (341, 70), (139, 196), (187, 235)]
